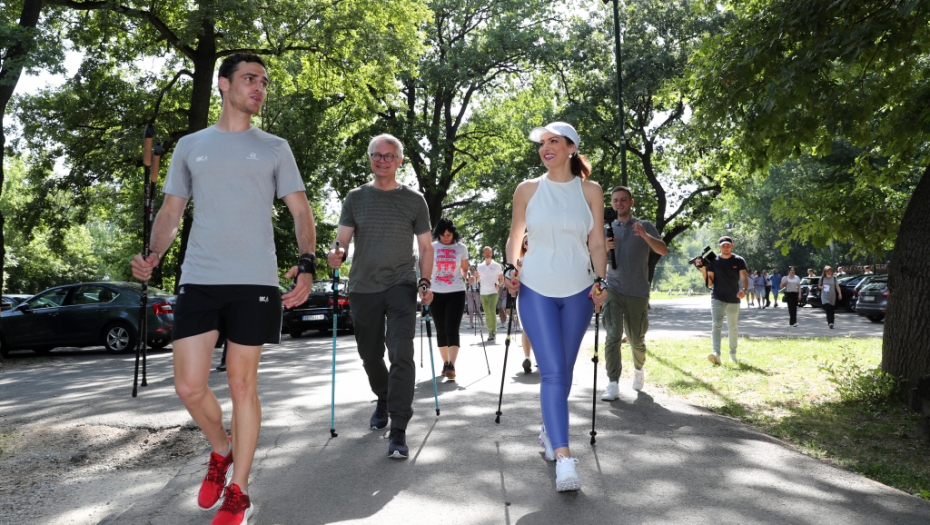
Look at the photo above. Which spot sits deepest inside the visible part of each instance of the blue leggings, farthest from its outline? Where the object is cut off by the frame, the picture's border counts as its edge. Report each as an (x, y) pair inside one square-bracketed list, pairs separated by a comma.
[(556, 326)]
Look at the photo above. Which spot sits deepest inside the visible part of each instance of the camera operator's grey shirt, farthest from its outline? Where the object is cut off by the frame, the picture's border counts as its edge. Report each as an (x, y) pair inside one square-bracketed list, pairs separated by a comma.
[(385, 224), (233, 177), (632, 252)]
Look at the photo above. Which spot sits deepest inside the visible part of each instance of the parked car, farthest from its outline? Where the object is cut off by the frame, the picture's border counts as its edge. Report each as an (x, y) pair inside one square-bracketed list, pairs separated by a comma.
[(848, 286), (873, 299), (317, 312), (863, 282), (87, 314), (807, 283), (9, 301)]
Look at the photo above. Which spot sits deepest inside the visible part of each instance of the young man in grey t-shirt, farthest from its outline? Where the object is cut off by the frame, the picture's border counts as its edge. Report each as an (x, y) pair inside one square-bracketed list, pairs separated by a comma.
[(385, 216), (230, 272), (627, 305)]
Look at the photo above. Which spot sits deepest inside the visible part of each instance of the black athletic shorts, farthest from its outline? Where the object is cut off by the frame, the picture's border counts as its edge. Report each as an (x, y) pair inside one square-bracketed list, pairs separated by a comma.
[(247, 314)]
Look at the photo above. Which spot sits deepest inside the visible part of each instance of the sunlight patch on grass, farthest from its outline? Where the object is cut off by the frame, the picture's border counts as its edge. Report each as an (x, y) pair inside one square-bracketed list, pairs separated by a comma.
[(779, 388)]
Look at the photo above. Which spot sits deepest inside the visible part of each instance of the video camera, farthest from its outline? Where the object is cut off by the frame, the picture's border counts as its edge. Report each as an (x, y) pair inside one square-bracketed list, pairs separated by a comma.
[(610, 215), (707, 257)]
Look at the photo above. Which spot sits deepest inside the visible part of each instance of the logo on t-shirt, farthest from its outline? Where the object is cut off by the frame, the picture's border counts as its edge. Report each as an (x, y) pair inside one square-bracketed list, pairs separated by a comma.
[(201, 159), (252, 156), (263, 299)]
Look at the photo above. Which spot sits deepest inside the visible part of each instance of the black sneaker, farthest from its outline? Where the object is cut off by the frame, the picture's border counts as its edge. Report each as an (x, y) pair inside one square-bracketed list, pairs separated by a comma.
[(398, 448), (379, 419), (450, 373), (222, 366), (445, 368), (527, 366)]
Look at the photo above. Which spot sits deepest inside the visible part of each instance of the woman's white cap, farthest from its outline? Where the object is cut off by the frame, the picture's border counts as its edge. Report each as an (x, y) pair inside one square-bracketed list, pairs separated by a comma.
[(562, 129)]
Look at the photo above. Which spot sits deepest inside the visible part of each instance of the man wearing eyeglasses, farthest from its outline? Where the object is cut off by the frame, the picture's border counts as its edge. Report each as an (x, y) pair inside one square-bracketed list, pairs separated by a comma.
[(385, 216)]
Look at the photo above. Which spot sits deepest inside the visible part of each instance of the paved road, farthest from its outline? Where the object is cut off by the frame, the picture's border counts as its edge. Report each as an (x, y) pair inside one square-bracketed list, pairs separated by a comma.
[(657, 460)]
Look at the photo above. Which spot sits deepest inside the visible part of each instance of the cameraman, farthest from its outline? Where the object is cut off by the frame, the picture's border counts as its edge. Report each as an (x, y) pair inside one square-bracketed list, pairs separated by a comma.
[(727, 276), (628, 288)]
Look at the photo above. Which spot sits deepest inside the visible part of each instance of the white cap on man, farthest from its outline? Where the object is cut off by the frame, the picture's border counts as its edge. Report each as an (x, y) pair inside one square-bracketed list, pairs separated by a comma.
[(562, 129)]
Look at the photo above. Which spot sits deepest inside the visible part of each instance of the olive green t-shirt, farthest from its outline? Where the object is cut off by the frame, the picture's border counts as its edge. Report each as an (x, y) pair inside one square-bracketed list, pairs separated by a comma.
[(386, 223)]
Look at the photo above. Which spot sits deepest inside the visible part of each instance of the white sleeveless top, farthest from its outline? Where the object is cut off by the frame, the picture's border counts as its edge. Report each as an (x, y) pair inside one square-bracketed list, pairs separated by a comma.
[(558, 220)]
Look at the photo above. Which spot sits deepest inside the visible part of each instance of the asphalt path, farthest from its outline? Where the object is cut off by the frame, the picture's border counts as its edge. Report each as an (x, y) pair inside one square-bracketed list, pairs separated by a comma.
[(656, 460)]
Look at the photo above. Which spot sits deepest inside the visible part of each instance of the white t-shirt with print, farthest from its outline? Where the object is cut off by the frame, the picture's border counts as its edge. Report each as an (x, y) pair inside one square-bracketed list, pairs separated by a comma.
[(447, 267)]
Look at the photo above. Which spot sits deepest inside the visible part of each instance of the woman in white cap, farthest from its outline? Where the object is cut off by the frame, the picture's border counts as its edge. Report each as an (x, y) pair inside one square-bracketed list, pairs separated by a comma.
[(562, 212)]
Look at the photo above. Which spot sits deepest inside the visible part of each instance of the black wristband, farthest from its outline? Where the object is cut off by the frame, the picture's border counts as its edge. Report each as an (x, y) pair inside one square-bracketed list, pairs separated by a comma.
[(306, 263), (424, 282)]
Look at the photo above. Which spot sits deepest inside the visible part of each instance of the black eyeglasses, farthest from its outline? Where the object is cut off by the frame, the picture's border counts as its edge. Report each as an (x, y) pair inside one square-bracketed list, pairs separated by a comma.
[(377, 157)]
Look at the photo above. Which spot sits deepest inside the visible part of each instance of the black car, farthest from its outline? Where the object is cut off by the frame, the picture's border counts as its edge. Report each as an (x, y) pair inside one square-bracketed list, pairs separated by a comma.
[(807, 285), (873, 299), (317, 312), (9, 301), (848, 286), (863, 281), (87, 314)]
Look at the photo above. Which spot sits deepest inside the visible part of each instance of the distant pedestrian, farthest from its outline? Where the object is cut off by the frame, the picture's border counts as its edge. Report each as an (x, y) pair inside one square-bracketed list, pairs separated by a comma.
[(867, 270), (759, 283), (810, 273), (792, 285), (840, 272), (491, 279), (727, 276), (450, 265), (750, 290), (768, 287), (829, 293), (776, 285), (527, 347), (472, 298)]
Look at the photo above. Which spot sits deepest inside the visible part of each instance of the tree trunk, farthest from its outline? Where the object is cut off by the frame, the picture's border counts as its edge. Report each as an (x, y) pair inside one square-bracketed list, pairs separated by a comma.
[(906, 347), (198, 117), (9, 76)]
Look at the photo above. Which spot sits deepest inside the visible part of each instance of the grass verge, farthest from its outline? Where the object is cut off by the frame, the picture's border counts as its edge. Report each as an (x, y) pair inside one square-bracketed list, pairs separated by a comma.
[(781, 388)]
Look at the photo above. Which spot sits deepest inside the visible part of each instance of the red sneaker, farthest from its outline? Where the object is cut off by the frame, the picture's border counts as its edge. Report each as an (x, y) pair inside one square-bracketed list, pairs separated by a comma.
[(236, 508), (218, 472)]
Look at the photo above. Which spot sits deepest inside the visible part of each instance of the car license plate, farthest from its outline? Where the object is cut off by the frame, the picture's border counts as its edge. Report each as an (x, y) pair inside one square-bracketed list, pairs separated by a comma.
[(319, 317), (868, 298)]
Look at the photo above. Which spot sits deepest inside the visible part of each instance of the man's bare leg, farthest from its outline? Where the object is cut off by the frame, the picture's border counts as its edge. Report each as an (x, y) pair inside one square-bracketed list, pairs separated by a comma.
[(193, 359), (242, 370)]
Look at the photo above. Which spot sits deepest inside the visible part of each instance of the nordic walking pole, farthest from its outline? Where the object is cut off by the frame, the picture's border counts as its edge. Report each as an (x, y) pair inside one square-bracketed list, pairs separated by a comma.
[(332, 404), (508, 304), (149, 216), (147, 135), (481, 331), (421, 342), (597, 324), (429, 335)]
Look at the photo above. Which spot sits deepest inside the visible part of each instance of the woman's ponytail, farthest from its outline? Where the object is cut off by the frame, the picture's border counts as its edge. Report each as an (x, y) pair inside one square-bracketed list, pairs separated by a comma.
[(580, 166)]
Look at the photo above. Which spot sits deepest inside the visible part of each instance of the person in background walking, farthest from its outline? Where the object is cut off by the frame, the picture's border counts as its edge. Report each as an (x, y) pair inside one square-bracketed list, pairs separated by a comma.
[(450, 265), (627, 305), (840, 272), (810, 273), (490, 278), (527, 347), (727, 276), (472, 298), (829, 293), (792, 285), (768, 287), (776, 285), (759, 284)]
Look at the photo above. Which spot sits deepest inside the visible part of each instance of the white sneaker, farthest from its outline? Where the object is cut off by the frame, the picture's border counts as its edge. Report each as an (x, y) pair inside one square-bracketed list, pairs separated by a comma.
[(733, 358), (713, 358), (612, 392), (566, 477), (546, 444), (639, 379)]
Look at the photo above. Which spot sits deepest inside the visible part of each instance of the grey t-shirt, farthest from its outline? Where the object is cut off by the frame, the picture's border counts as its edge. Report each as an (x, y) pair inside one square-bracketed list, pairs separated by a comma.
[(632, 252), (385, 224), (233, 177)]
